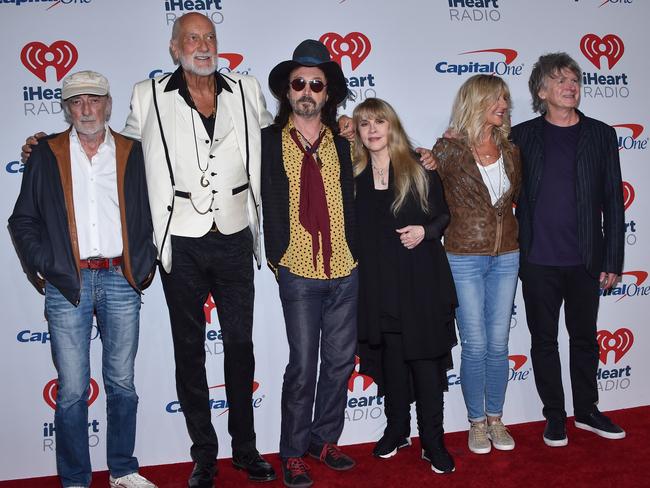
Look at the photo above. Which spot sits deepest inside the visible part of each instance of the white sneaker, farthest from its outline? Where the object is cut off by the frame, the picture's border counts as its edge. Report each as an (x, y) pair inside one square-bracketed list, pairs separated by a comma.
[(477, 440), (133, 480)]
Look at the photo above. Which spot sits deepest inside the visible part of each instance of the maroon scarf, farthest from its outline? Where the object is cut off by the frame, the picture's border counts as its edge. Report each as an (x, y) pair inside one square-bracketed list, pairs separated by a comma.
[(313, 211)]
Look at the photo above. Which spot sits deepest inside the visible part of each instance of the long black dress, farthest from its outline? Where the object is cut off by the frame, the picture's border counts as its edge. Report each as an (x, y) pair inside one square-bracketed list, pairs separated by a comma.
[(400, 290)]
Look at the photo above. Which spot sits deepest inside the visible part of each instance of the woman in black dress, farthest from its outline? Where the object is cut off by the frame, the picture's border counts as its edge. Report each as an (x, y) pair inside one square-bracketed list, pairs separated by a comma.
[(407, 296)]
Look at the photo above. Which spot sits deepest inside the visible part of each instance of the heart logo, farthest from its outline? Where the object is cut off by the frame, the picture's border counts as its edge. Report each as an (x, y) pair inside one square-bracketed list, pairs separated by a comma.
[(52, 388), (594, 48), (61, 55), (620, 342), (628, 194), (354, 45)]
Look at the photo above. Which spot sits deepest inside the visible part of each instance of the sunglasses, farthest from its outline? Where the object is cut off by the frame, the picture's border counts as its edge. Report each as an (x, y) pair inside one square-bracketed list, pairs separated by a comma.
[(299, 84)]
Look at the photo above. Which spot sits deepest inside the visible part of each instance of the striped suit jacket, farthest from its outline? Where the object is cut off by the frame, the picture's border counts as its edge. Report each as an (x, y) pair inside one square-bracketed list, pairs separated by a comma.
[(599, 193)]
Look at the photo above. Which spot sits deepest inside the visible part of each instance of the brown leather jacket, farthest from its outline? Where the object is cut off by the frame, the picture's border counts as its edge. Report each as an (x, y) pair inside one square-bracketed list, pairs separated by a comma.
[(476, 226)]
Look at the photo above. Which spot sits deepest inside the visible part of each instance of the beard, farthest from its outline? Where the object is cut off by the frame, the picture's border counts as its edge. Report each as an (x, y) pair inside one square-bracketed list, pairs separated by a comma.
[(306, 106), (187, 63), (88, 126)]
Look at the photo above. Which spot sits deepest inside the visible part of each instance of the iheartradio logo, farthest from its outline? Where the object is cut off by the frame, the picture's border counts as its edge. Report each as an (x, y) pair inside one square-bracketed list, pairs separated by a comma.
[(355, 45), (594, 48), (52, 388), (208, 307), (366, 381), (619, 341), (628, 194), (60, 55)]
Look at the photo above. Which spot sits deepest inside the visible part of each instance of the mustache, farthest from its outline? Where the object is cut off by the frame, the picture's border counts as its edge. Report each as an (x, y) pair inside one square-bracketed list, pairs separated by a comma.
[(87, 118), (307, 99)]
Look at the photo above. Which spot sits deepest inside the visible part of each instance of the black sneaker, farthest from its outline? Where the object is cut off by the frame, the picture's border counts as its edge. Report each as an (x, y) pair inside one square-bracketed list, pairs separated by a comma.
[(440, 459), (296, 473), (599, 424), (332, 456), (388, 445), (555, 433)]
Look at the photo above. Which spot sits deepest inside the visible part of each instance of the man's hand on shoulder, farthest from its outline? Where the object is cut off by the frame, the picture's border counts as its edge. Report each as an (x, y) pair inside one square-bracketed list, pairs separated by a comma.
[(26, 150), (426, 158), (346, 128)]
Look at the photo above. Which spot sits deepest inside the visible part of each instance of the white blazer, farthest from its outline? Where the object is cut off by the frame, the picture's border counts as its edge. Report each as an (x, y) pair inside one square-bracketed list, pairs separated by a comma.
[(152, 116)]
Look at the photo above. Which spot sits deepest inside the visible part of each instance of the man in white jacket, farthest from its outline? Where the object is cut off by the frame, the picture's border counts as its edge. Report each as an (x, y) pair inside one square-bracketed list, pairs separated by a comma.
[(200, 133)]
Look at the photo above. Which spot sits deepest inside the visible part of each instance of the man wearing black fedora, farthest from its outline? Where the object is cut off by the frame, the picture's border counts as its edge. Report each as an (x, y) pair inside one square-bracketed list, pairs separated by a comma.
[(308, 195)]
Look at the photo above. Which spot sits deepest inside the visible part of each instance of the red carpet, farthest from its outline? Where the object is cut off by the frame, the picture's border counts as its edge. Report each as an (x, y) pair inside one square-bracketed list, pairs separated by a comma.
[(588, 461)]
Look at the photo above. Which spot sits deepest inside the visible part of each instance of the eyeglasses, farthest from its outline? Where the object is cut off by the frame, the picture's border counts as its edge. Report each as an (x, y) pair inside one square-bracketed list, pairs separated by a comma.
[(299, 84)]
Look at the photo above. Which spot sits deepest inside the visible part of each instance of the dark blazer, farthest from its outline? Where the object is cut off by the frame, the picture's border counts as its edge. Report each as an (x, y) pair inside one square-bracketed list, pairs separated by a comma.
[(275, 195), (599, 193), (43, 226), (426, 292)]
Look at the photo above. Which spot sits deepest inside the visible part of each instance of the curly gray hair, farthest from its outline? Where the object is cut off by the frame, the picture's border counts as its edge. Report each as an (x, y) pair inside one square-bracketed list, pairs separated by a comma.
[(547, 66)]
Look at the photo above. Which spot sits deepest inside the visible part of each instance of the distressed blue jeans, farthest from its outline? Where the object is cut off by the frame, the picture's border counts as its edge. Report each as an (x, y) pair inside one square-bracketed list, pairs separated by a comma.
[(107, 294), (485, 286)]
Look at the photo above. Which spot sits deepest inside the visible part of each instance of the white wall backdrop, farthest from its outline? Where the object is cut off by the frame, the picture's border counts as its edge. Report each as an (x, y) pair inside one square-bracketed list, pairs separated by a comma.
[(415, 54)]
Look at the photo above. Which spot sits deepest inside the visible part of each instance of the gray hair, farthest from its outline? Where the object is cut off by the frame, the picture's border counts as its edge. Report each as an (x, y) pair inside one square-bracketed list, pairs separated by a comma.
[(548, 66), (68, 117)]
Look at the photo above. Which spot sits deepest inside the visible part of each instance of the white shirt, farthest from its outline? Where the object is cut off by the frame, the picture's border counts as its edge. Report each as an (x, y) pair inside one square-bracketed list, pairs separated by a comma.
[(96, 205), (495, 179)]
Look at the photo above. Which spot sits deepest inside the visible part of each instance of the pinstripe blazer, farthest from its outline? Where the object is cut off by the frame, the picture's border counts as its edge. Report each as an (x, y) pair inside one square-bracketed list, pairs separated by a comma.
[(599, 194)]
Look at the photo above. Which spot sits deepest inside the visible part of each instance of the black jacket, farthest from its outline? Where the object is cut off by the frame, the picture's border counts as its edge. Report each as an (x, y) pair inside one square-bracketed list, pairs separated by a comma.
[(275, 195), (599, 193), (43, 227)]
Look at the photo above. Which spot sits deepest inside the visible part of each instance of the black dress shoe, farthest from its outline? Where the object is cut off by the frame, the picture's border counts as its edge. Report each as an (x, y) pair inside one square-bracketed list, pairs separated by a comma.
[(255, 465), (202, 476)]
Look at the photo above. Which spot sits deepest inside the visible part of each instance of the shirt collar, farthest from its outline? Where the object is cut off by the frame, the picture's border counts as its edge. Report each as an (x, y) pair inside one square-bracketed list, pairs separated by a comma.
[(177, 82)]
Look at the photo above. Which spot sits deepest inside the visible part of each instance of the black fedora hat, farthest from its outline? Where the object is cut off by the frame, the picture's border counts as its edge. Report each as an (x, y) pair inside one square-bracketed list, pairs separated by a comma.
[(310, 53)]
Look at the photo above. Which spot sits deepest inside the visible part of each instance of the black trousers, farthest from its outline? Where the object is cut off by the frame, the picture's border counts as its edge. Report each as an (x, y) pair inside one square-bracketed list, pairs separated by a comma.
[(402, 380), (544, 289), (221, 265)]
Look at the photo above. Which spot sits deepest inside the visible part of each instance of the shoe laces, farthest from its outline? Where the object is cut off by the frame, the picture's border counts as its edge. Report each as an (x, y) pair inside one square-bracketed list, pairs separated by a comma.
[(331, 450), (498, 430), (479, 431), (297, 466), (133, 479)]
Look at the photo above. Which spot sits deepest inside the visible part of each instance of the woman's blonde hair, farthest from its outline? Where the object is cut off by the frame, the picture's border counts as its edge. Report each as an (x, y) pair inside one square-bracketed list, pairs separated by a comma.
[(472, 101), (409, 175)]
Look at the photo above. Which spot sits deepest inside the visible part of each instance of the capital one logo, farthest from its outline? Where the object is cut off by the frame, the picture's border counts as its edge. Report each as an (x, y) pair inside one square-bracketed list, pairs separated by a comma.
[(256, 386), (628, 194), (366, 381), (234, 59), (595, 48), (52, 388), (509, 54), (355, 45), (517, 360), (631, 137), (619, 341), (60, 55)]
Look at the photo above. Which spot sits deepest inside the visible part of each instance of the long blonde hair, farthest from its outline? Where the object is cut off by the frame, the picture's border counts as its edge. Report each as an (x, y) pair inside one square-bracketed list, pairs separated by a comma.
[(410, 176), (472, 101)]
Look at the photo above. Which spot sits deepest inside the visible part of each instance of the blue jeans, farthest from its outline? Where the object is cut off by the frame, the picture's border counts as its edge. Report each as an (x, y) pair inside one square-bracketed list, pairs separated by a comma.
[(485, 286), (318, 314), (116, 304)]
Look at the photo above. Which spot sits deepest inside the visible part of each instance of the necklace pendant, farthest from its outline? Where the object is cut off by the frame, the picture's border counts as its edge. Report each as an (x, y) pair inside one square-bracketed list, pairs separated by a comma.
[(204, 181)]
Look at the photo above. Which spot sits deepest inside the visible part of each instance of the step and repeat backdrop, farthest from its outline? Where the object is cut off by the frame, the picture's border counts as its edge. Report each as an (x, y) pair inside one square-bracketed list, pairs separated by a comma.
[(413, 53)]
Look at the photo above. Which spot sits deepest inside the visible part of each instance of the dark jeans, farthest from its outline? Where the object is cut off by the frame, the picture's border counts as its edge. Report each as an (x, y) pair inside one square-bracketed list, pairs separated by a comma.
[(424, 376), (544, 289), (221, 265), (317, 314)]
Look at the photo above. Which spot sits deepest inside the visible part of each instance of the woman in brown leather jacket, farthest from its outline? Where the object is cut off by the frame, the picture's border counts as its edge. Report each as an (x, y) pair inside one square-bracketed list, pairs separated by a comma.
[(481, 174)]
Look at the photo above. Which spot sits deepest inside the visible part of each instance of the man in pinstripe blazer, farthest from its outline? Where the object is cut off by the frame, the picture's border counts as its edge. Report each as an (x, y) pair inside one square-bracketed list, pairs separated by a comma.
[(571, 239)]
